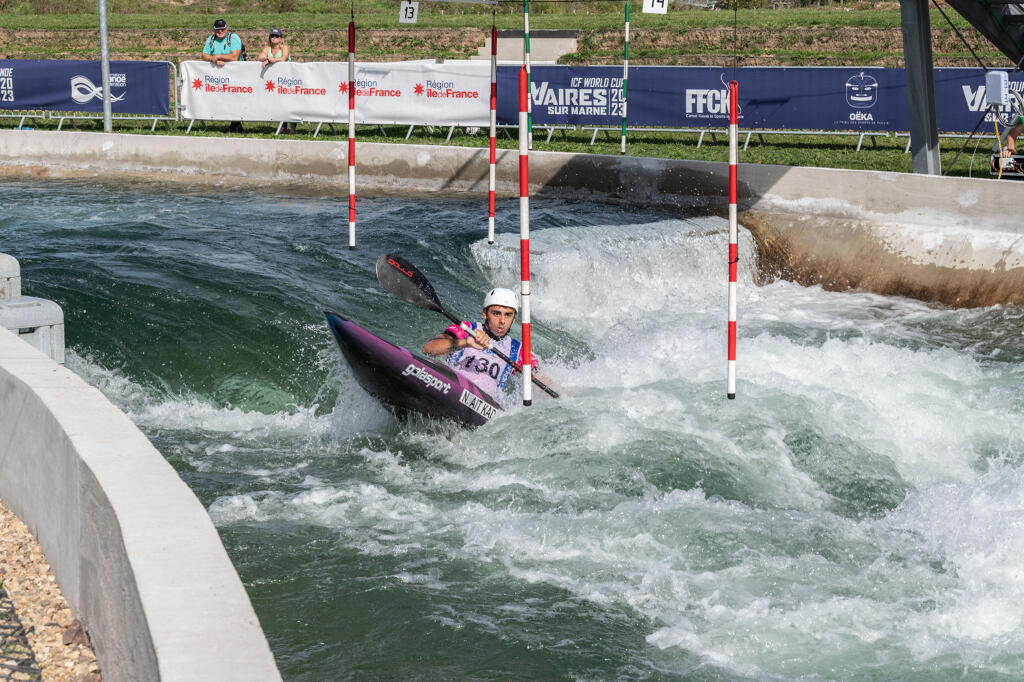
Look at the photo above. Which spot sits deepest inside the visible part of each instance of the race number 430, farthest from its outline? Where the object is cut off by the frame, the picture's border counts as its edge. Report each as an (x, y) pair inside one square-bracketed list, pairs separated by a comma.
[(408, 11), (656, 6)]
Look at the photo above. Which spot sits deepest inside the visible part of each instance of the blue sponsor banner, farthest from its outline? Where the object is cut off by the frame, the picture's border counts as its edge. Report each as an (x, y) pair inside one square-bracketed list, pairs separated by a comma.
[(72, 85), (960, 99), (771, 98)]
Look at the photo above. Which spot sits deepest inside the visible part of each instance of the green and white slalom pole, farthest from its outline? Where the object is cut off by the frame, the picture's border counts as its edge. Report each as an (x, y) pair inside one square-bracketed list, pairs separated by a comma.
[(625, 79), (494, 120), (526, 65)]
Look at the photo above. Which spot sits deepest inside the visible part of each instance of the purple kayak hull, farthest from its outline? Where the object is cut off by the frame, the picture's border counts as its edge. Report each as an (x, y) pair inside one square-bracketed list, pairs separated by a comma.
[(405, 382)]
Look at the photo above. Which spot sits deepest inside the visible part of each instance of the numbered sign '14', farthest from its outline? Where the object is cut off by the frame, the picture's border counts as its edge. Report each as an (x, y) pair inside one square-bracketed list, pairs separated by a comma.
[(408, 11), (656, 6)]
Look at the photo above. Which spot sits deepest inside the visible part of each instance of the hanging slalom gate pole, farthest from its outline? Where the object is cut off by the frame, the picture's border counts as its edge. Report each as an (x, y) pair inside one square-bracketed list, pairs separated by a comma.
[(734, 257), (524, 230), (352, 133), (494, 121), (625, 79), (526, 65)]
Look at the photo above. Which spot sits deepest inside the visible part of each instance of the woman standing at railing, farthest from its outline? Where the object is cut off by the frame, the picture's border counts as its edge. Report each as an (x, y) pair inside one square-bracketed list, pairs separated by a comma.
[(276, 49)]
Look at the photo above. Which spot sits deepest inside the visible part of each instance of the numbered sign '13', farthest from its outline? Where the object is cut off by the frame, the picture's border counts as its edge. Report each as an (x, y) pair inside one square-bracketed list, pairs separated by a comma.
[(408, 11), (656, 6)]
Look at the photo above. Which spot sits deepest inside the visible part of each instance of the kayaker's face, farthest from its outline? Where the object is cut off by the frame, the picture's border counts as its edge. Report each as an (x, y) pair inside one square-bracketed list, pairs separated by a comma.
[(499, 319)]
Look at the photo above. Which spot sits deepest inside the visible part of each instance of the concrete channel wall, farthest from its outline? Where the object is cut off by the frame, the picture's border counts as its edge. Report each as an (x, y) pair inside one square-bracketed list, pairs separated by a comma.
[(949, 240), (134, 552)]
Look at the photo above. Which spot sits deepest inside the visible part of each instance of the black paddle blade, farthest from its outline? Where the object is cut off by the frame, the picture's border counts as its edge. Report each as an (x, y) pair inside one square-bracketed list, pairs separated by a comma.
[(401, 278)]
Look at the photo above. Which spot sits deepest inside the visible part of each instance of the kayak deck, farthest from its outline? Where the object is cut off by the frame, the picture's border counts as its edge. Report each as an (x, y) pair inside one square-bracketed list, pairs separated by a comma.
[(406, 382)]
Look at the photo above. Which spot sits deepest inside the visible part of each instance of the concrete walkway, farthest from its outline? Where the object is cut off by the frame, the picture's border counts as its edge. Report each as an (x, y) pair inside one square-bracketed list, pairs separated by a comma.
[(545, 46)]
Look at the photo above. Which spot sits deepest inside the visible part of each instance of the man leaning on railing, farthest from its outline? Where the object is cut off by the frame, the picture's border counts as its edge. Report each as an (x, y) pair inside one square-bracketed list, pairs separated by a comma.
[(221, 47)]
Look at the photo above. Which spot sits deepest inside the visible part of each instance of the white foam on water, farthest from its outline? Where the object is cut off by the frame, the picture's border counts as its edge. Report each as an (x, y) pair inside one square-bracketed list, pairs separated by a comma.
[(975, 532), (353, 413), (852, 366)]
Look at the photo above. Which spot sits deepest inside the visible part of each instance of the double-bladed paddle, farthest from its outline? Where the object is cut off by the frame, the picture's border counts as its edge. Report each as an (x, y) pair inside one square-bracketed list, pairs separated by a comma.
[(401, 278)]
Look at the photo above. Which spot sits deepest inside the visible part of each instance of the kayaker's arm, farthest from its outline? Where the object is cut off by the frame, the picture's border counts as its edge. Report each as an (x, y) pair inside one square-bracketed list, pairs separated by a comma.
[(444, 343)]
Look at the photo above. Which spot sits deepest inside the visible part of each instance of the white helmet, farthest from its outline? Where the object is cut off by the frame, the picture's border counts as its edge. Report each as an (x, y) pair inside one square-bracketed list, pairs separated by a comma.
[(499, 296)]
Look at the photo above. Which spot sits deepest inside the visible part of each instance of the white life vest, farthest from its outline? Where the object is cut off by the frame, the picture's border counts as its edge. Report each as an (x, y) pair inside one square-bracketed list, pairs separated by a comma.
[(483, 367)]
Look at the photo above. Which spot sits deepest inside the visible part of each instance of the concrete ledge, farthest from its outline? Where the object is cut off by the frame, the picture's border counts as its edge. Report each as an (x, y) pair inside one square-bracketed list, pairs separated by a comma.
[(134, 552), (949, 240)]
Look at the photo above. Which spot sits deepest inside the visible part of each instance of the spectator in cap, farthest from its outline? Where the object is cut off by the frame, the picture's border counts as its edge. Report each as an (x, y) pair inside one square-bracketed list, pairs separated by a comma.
[(276, 49), (222, 46)]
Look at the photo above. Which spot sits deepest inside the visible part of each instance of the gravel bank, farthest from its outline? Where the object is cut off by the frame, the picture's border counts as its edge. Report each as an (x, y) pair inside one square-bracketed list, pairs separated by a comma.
[(59, 644)]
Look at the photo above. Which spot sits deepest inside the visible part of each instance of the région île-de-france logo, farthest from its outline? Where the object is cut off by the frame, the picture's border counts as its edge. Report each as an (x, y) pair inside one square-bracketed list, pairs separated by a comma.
[(444, 90), (291, 86), (369, 88), (861, 91), (83, 89), (219, 84)]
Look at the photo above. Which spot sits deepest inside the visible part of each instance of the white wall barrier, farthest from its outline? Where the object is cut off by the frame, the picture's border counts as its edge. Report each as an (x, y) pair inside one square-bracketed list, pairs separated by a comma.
[(406, 93), (133, 550)]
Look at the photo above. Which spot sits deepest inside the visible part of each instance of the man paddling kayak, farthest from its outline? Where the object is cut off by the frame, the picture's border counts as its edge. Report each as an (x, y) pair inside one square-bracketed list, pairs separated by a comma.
[(470, 354)]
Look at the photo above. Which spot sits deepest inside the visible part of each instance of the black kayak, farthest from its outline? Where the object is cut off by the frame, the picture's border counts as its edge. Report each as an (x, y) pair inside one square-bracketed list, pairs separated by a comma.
[(406, 382)]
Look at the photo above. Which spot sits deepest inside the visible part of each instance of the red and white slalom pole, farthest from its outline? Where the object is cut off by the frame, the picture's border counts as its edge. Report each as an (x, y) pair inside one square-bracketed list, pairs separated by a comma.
[(734, 256), (352, 134), (524, 231), (494, 122)]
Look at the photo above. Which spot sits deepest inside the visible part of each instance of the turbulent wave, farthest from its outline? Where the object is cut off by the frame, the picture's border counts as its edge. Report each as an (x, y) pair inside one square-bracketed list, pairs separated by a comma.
[(853, 513)]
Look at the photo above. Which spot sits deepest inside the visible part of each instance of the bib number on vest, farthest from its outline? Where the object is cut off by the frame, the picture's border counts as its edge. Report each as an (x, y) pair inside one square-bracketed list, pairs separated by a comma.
[(480, 364)]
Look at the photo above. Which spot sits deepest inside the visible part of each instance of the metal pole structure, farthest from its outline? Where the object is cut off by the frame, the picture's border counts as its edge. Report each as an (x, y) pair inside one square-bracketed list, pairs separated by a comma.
[(917, 53), (352, 134), (526, 65), (494, 122), (734, 256), (625, 79), (524, 230), (105, 66)]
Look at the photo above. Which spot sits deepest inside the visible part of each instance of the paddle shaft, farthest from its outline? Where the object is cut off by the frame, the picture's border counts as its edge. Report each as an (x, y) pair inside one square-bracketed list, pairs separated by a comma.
[(537, 382)]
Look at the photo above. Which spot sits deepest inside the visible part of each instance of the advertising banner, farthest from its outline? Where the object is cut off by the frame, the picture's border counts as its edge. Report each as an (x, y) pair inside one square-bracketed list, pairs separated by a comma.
[(771, 98), (960, 99), (72, 85), (408, 93), (691, 97)]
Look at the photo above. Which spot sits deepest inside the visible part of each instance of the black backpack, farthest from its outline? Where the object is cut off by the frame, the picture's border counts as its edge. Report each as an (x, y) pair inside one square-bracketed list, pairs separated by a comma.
[(241, 55)]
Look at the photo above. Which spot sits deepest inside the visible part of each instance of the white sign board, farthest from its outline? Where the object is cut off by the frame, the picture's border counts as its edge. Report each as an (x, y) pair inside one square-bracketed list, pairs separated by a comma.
[(408, 11), (407, 93), (655, 6)]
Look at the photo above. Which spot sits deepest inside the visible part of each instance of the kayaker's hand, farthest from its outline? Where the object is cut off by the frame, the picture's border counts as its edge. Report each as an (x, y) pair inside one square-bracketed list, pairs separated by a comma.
[(480, 340)]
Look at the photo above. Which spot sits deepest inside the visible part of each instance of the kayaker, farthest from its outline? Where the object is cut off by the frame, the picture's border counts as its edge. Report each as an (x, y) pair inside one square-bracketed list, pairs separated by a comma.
[(469, 354)]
